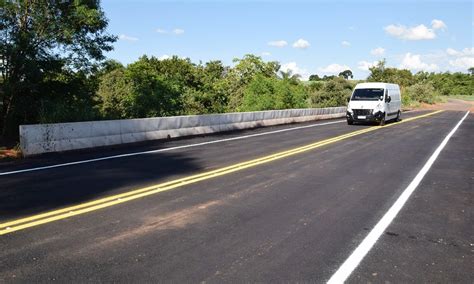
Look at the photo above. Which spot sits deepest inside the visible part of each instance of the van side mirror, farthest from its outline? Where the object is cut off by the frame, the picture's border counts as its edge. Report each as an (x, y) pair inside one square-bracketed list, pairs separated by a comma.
[(389, 99)]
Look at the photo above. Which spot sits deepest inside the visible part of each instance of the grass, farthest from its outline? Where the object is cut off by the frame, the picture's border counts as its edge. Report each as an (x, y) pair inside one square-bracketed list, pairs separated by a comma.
[(461, 97)]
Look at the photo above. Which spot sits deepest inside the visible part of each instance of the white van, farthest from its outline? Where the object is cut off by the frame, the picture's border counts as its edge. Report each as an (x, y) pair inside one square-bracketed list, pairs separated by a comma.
[(376, 102)]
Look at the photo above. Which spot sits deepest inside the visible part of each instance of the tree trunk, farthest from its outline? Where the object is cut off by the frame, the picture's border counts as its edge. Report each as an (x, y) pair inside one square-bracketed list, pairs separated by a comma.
[(6, 107)]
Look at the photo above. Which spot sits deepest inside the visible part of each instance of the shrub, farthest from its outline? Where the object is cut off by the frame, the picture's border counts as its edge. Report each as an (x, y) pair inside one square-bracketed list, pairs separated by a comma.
[(264, 93), (66, 97), (420, 92), (260, 94), (115, 95), (334, 92)]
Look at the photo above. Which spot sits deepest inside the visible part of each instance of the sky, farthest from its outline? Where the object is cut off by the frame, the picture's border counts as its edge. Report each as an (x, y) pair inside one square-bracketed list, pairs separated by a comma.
[(306, 37)]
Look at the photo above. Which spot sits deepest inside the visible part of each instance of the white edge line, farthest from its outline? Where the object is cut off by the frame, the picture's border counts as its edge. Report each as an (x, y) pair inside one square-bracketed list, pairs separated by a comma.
[(366, 245), (164, 150)]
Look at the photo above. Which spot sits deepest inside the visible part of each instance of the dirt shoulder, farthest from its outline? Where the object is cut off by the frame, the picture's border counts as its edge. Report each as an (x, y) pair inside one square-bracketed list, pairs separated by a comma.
[(451, 104)]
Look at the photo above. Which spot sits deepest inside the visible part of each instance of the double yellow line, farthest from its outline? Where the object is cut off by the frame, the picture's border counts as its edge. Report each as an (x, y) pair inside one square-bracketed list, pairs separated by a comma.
[(51, 216)]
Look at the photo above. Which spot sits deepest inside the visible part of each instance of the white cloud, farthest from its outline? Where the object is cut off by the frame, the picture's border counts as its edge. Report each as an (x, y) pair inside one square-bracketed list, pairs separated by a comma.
[(413, 62), (278, 43), (164, 56), (465, 52), (420, 32), (178, 31), (438, 24), (462, 62), (352, 28), (334, 68), (365, 65), (175, 31), (301, 43), (452, 52), (447, 60), (293, 67), (345, 43), (468, 51), (378, 51), (266, 53), (463, 59), (127, 38)]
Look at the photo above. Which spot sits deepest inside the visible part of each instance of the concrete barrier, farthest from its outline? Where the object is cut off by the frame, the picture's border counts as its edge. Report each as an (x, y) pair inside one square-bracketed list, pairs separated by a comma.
[(57, 137)]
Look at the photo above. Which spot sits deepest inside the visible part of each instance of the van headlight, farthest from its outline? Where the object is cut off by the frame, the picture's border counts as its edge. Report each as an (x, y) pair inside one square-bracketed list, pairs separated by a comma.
[(349, 110), (378, 107)]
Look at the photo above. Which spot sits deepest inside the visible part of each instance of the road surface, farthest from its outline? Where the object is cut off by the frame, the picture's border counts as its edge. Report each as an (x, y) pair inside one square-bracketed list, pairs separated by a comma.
[(277, 204)]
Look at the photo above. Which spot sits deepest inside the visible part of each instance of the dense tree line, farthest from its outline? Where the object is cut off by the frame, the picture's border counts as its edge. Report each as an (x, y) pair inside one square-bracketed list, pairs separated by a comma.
[(423, 86), (48, 51), (175, 86), (53, 70), (152, 87)]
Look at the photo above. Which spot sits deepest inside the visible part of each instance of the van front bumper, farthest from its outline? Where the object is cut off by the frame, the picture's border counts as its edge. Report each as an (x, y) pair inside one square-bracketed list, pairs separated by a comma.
[(375, 117)]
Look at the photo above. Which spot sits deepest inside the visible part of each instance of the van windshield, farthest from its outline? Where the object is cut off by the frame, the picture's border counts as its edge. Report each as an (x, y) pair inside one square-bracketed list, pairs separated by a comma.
[(367, 94)]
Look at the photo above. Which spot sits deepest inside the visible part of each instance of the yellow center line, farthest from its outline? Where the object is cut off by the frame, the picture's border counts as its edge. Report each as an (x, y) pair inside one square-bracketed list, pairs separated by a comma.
[(50, 216)]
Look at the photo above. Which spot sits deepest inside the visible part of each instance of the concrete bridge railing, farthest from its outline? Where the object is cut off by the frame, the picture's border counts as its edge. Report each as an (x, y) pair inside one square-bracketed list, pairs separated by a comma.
[(57, 137)]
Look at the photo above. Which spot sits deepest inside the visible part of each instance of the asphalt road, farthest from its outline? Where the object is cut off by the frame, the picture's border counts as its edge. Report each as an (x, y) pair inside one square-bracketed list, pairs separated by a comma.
[(290, 215)]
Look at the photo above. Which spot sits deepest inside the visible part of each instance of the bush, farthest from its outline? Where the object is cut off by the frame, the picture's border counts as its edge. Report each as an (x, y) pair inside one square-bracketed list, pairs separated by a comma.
[(334, 92), (420, 92), (260, 94), (315, 85), (115, 95), (67, 97), (202, 102), (137, 92), (264, 93)]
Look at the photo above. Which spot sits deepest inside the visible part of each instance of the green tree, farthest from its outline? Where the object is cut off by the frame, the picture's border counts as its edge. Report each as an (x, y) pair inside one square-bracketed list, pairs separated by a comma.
[(245, 70), (450, 83), (381, 73), (334, 92), (115, 95), (266, 93), (471, 70), (290, 77), (157, 92), (65, 97), (328, 78), (251, 65), (213, 71), (40, 39), (291, 94), (140, 90), (178, 71), (210, 95), (420, 92), (346, 74), (260, 94), (314, 77), (107, 66)]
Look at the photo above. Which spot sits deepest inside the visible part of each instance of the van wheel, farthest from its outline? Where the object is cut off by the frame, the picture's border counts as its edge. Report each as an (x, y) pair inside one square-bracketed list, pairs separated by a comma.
[(350, 122), (399, 116), (382, 121)]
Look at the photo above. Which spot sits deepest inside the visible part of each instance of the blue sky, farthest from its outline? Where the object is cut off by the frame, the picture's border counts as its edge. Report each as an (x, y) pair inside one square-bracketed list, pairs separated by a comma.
[(306, 37)]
